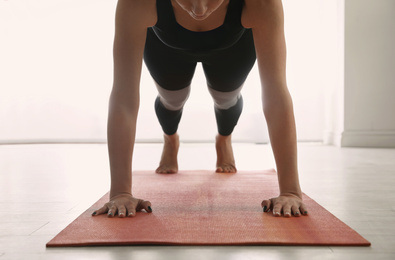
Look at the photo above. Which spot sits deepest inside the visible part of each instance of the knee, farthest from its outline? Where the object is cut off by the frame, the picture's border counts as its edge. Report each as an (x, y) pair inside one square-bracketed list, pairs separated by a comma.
[(173, 99), (225, 100)]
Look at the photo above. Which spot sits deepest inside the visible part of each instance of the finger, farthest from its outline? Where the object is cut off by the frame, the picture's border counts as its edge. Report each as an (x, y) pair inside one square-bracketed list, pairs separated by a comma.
[(277, 210), (295, 211), (131, 211), (266, 205), (100, 211), (287, 211), (112, 211), (303, 209), (121, 211), (146, 205)]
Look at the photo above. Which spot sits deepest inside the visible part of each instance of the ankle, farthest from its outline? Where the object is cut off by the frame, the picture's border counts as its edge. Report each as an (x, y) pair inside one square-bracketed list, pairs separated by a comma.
[(173, 139), (223, 138)]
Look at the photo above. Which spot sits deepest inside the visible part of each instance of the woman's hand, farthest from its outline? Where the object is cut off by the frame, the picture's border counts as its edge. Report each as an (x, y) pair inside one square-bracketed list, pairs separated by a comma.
[(286, 204), (123, 205)]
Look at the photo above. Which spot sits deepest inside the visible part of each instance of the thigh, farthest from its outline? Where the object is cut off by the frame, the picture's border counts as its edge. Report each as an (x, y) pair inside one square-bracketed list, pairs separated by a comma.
[(171, 69), (227, 70)]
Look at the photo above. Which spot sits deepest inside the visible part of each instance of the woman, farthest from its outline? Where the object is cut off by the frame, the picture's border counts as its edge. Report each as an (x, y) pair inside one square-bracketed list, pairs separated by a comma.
[(226, 36)]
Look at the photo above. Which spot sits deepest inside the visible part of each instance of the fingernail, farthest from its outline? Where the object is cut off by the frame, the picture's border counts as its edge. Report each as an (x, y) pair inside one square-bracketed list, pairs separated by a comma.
[(149, 208), (110, 214), (94, 213), (305, 212), (264, 208)]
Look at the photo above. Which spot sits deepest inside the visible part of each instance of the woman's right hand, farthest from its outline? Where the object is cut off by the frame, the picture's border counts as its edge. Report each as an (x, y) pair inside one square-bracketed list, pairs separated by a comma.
[(123, 205)]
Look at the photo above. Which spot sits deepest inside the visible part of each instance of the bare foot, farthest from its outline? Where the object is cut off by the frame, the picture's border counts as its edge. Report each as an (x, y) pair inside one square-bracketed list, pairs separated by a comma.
[(225, 159), (168, 162)]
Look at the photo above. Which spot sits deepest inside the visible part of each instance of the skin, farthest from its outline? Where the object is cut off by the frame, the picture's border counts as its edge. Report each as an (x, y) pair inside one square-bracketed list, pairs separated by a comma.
[(265, 17), (199, 10)]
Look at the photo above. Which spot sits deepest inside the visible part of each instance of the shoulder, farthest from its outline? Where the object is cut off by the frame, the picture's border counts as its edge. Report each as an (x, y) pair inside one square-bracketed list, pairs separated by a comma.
[(137, 11), (256, 12)]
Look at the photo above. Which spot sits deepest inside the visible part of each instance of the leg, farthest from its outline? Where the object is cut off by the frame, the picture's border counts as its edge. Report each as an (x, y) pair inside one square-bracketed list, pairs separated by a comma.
[(172, 72), (226, 72), (168, 161), (168, 107), (228, 107)]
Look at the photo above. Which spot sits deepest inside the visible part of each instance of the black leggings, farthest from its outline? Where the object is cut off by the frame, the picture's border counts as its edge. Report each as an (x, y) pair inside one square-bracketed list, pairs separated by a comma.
[(225, 71)]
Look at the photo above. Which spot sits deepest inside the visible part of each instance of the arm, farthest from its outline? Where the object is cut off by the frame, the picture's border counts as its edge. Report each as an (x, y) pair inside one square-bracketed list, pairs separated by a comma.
[(267, 22), (132, 19)]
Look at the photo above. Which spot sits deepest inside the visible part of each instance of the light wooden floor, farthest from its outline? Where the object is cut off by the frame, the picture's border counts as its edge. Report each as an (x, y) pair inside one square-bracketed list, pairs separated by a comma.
[(45, 187)]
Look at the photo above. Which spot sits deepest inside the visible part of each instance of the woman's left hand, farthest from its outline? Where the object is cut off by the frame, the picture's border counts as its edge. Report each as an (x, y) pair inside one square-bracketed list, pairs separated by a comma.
[(286, 204)]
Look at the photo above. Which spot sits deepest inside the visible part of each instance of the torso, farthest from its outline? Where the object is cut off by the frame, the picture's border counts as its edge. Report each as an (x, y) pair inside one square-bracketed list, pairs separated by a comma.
[(177, 29), (215, 20)]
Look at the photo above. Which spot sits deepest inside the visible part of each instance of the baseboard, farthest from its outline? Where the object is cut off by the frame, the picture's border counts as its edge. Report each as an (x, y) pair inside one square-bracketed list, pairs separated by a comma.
[(332, 138), (138, 140), (377, 139), (51, 141)]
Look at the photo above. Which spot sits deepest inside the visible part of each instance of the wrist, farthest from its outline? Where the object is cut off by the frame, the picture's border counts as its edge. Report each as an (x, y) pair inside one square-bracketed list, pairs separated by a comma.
[(297, 193), (289, 182), (121, 189), (120, 185), (117, 194)]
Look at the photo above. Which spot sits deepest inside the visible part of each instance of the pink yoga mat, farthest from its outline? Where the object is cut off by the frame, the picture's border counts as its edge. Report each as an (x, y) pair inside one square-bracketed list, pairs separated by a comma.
[(208, 208)]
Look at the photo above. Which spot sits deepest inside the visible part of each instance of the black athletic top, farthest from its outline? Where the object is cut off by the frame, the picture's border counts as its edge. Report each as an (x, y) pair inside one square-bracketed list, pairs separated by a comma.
[(174, 35)]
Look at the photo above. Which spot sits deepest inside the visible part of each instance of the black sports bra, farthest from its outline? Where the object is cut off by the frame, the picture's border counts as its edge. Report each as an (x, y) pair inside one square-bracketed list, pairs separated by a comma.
[(174, 35)]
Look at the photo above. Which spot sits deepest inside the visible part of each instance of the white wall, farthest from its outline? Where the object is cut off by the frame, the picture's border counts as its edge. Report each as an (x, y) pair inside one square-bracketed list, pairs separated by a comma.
[(334, 85), (369, 114), (56, 75), (368, 86), (308, 70), (55, 69)]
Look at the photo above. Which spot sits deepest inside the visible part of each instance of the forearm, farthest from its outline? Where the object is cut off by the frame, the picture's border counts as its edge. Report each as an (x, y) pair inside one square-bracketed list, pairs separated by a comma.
[(282, 131), (121, 131)]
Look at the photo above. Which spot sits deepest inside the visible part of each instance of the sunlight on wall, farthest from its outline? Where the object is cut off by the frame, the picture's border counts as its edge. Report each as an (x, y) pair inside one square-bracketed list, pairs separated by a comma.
[(57, 69), (56, 75)]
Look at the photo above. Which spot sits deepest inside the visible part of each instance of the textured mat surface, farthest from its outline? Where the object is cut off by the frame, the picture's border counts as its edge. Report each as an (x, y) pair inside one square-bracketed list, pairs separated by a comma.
[(207, 208)]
